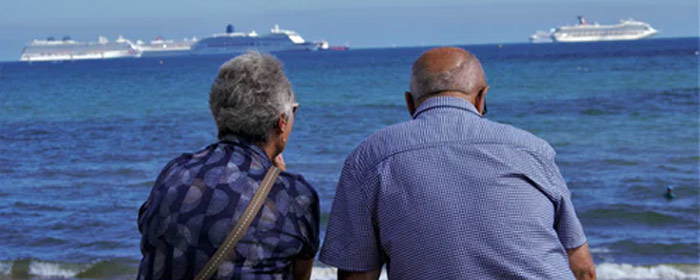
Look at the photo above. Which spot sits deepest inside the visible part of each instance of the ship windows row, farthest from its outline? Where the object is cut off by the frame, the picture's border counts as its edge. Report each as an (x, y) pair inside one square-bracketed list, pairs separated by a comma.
[(606, 33)]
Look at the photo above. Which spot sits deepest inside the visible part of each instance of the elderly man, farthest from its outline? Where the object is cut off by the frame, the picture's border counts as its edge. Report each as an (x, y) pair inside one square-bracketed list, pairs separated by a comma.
[(452, 195), (199, 197)]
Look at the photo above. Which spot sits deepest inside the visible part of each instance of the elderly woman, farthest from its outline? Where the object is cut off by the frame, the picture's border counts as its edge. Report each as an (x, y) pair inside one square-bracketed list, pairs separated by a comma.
[(198, 198)]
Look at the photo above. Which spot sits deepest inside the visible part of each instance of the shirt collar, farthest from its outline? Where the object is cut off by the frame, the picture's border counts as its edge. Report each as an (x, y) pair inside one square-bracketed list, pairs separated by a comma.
[(234, 139), (445, 102)]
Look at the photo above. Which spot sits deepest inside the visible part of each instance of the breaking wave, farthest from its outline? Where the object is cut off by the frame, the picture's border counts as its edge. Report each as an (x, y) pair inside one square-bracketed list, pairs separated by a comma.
[(127, 269), (663, 271)]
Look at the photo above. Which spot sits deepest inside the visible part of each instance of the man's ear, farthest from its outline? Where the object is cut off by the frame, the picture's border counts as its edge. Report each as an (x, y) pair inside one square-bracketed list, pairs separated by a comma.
[(410, 104), (480, 100), (282, 124)]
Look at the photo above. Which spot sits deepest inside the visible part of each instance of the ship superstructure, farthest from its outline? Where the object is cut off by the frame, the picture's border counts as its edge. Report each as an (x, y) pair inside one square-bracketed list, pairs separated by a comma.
[(278, 40), (68, 49)]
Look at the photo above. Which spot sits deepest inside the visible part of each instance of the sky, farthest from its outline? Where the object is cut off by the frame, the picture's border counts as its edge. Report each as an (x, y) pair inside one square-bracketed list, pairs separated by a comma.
[(359, 23)]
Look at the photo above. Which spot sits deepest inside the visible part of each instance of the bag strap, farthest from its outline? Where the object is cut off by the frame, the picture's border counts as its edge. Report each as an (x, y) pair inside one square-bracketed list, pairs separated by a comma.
[(242, 226)]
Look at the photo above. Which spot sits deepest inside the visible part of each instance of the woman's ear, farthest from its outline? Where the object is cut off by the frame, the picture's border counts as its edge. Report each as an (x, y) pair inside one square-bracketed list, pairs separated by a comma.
[(282, 123)]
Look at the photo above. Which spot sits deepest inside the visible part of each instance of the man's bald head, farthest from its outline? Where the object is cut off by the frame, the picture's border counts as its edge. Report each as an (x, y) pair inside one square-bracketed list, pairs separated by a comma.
[(446, 69)]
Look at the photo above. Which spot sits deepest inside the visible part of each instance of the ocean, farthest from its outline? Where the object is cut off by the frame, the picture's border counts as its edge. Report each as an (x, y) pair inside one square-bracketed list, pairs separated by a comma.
[(82, 142)]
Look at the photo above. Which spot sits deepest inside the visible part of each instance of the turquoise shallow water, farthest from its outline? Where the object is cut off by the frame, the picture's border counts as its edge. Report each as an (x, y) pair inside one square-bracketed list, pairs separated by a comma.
[(83, 141)]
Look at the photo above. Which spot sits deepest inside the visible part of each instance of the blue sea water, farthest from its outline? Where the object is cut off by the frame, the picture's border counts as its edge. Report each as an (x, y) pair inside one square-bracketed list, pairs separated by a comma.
[(82, 142)]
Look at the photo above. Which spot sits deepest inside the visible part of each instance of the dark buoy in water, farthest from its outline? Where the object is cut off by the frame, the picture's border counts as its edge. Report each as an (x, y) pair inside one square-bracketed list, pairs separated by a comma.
[(669, 193)]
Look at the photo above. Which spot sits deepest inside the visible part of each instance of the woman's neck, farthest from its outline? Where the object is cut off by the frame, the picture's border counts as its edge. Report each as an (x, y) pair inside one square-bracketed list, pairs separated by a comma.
[(269, 148)]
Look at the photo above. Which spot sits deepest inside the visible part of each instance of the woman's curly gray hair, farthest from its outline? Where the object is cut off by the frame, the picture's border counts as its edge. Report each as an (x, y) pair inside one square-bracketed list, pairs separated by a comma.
[(248, 95)]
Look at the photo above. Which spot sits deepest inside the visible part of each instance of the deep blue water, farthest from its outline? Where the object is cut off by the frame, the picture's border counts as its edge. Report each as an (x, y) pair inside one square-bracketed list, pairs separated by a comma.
[(82, 142)]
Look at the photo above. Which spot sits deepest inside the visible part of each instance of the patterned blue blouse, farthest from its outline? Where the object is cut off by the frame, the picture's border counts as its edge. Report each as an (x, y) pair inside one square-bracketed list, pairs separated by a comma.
[(196, 201)]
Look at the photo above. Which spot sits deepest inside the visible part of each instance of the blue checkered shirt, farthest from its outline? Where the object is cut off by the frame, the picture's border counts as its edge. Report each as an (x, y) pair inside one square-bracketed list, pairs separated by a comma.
[(452, 195)]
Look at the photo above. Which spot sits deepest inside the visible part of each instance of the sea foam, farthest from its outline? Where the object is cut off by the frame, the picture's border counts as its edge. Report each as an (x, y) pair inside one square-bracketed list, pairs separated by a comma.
[(5, 268), (605, 271), (628, 271), (47, 269)]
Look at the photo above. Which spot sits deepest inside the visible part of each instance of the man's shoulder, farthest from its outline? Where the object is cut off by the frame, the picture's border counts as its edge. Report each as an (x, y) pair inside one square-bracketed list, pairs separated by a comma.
[(381, 144), (507, 134), (388, 137), (406, 135)]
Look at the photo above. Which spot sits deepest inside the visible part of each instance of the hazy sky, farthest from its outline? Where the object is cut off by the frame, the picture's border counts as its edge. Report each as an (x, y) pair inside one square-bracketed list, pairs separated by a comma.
[(361, 23)]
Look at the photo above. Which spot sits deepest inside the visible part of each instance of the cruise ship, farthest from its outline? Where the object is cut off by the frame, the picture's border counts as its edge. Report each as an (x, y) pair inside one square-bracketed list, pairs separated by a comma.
[(278, 40), (67, 49), (160, 47), (626, 29), (542, 37)]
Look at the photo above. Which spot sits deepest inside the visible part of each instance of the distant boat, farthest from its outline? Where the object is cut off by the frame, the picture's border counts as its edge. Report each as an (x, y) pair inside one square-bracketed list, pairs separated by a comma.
[(160, 47), (343, 47), (541, 37), (339, 48), (278, 40), (626, 29), (67, 49)]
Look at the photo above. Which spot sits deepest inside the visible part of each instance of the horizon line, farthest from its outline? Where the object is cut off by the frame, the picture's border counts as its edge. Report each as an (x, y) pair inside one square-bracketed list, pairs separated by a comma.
[(425, 46)]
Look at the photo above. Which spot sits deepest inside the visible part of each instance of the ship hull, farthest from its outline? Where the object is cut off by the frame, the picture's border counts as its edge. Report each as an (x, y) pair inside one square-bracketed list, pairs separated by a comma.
[(273, 43), (71, 50), (160, 48), (243, 49), (539, 40), (165, 53), (78, 56), (559, 38)]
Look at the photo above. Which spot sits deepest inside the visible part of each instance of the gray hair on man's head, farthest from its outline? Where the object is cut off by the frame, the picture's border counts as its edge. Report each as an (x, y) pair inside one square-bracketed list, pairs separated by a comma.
[(248, 95), (446, 69)]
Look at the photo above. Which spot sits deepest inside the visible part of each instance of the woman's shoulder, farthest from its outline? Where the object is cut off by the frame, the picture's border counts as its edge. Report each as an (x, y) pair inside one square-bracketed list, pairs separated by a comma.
[(298, 187), (188, 157)]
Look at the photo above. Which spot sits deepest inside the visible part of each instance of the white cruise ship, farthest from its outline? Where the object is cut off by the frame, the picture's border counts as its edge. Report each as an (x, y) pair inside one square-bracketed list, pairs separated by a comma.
[(160, 47), (231, 42), (67, 49), (542, 36), (627, 29)]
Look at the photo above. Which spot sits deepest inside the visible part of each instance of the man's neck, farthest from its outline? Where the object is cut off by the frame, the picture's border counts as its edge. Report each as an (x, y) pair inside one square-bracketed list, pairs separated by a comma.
[(455, 94)]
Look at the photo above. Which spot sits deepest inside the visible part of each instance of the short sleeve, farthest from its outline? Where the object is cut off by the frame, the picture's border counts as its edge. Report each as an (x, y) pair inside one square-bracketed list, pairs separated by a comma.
[(566, 223), (307, 217), (155, 191), (351, 243)]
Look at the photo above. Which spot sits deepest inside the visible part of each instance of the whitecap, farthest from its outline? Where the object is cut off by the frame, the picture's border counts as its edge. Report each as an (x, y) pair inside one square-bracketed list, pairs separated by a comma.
[(627, 271), (600, 250), (46, 269), (5, 268)]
